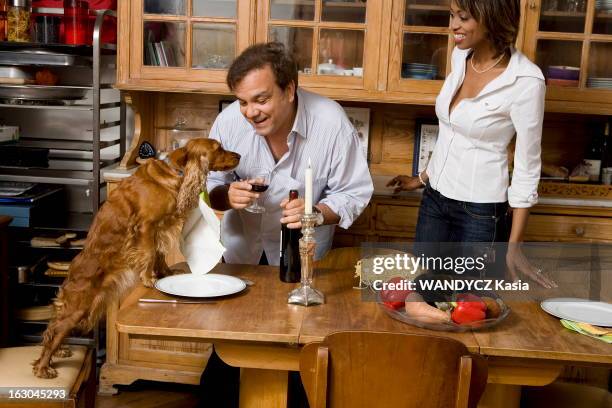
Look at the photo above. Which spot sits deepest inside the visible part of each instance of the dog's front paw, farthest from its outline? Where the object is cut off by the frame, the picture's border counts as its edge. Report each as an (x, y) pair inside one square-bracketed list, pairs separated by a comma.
[(43, 371), (149, 282), (63, 352)]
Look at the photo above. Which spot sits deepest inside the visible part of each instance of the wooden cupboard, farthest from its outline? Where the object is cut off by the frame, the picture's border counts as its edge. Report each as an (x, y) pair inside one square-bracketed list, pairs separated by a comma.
[(181, 45), (395, 51), (390, 219), (577, 36)]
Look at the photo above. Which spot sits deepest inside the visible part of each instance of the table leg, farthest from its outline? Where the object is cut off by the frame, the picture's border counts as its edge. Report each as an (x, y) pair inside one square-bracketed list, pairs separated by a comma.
[(263, 388)]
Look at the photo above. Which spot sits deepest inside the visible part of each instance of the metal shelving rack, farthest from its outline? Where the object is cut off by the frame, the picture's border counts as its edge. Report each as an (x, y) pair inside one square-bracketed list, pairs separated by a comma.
[(97, 58), (96, 64)]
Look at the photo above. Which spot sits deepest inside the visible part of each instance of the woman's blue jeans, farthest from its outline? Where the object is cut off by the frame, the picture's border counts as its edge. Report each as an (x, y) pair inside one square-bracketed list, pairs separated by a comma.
[(462, 228)]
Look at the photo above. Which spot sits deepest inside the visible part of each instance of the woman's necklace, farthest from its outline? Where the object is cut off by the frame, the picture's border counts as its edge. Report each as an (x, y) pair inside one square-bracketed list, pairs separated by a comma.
[(486, 69)]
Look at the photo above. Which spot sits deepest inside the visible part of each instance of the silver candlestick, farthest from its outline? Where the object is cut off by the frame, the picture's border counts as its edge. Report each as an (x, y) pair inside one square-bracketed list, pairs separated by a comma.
[(306, 295)]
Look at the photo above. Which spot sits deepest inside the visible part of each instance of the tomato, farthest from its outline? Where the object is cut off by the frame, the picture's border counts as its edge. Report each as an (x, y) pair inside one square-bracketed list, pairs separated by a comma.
[(394, 305), (393, 294)]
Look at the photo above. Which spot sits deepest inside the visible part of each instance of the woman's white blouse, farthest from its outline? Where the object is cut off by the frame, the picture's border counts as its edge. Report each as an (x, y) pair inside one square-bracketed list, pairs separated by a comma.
[(470, 160)]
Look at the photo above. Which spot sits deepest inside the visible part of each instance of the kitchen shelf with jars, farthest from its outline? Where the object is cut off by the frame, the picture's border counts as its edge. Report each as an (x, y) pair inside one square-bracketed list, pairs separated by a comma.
[(571, 41), (61, 125)]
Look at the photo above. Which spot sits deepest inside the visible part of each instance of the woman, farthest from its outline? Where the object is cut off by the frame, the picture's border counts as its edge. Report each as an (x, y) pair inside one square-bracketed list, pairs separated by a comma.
[(492, 93)]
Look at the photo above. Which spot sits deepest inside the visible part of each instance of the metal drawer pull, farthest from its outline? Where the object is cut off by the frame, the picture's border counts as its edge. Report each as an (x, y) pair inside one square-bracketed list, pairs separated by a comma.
[(579, 231)]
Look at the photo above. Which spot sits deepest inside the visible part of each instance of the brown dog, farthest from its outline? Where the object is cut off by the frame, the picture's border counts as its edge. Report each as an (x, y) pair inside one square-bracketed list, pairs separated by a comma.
[(129, 239)]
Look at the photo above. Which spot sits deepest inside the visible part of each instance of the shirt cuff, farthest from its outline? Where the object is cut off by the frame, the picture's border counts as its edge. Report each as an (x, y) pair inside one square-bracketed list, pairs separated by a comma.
[(342, 209), (516, 200)]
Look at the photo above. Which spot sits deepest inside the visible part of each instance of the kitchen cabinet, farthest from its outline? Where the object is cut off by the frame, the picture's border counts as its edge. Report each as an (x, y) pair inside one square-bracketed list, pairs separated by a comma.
[(571, 41), (420, 47), (181, 45), (390, 219), (336, 43), (395, 51)]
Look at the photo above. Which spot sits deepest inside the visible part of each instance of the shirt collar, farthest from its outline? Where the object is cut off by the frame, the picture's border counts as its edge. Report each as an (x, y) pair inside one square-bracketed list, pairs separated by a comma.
[(300, 124), (519, 66)]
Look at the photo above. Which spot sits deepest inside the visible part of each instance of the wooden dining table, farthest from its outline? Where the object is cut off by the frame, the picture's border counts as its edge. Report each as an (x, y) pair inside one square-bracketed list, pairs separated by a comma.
[(258, 331)]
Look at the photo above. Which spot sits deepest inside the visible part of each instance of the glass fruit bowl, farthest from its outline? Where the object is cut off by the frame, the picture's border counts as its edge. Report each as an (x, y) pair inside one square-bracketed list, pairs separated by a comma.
[(420, 316)]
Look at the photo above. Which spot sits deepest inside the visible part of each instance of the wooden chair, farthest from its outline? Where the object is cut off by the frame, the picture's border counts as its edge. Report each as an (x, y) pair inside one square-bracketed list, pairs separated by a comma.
[(76, 378), (346, 258), (373, 369)]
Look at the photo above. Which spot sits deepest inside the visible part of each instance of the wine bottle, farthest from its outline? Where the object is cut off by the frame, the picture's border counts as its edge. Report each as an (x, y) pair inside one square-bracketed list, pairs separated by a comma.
[(593, 159), (290, 265)]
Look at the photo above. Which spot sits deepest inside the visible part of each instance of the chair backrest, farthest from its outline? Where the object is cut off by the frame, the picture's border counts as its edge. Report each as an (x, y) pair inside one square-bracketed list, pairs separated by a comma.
[(346, 258), (372, 369)]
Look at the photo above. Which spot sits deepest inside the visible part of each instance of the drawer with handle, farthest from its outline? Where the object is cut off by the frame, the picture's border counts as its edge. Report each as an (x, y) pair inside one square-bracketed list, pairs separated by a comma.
[(568, 228)]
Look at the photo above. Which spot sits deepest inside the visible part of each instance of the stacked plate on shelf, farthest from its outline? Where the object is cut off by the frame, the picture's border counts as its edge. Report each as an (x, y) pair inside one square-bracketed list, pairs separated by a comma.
[(603, 5), (414, 70), (560, 75), (604, 83)]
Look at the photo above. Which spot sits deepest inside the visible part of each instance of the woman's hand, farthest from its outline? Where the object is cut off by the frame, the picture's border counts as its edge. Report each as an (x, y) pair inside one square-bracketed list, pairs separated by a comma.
[(404, 183), (518, 263)]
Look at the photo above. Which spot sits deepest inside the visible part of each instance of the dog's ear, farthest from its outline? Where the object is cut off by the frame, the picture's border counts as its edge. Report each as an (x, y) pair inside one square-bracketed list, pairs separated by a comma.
[(204, 164), (178, 157)]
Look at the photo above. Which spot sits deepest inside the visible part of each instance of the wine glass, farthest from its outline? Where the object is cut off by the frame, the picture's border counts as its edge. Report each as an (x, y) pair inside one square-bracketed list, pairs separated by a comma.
[(259, 179)]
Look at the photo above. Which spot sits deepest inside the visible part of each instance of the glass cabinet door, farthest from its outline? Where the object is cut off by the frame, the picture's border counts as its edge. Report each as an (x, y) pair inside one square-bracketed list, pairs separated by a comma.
[(571, 41), (188, 39), (335, 42), (420, 45)]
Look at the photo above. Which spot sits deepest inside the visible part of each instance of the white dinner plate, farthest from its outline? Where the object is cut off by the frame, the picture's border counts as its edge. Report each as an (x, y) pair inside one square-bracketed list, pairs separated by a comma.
[(580, 310), (201, 286)]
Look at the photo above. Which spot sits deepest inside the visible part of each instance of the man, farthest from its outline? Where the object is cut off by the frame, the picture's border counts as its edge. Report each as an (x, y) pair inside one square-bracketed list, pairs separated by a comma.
[(280, 127)]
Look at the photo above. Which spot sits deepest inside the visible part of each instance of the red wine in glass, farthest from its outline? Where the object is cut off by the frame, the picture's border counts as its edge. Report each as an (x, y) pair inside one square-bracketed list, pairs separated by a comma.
[(258, 187)]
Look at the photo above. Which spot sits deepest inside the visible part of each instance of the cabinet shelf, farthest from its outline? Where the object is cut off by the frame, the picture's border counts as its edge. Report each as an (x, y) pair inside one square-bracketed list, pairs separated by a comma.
[(82, 50), (58, 144), (574, 14), (73, 222), (42, 284), (56, 172), (50, 176), (75, 107), (427, 7), (26, 244)]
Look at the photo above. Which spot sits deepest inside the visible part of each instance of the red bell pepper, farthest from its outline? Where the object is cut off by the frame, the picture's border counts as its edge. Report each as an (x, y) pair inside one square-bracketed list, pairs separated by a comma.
[(476, 301), (470, 308)]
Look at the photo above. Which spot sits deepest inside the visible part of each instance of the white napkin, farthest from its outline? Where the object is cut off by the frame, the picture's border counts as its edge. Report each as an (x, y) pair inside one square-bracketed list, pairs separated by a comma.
[(200, 239)]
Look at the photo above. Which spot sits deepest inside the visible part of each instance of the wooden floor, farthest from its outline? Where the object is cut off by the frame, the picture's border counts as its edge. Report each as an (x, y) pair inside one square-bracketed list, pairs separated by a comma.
[(150, 394)]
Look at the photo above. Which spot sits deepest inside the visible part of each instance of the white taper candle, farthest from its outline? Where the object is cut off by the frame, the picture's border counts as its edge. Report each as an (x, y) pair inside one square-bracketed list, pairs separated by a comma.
[(308, 193)]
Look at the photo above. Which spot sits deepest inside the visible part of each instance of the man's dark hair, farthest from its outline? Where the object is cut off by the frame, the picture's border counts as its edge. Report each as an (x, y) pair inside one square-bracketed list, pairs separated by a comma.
[(258, 56)]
